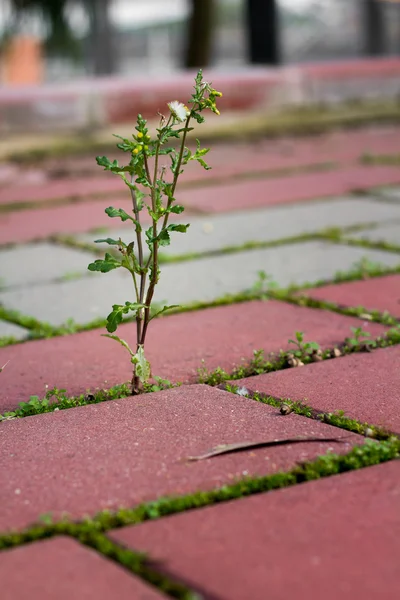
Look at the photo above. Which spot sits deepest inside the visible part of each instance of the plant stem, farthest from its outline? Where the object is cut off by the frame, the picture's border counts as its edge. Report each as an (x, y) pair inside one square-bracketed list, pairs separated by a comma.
[(178, 168), (140, 257)]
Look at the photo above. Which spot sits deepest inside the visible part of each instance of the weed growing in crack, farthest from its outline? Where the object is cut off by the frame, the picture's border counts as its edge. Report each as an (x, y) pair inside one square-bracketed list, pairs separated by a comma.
[(359, 340), (363, 269), (150, 189), (263, 285), (159, 385), (304, 349)]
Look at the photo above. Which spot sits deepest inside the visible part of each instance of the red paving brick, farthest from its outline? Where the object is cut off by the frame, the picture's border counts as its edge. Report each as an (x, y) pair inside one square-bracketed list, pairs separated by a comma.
[(63, 188), (22, 226), (381, 294), (123, 452), (337, 146), (283, 190), (62, 569), (28, 225), (176, 345), (365, 386), (331, 539)]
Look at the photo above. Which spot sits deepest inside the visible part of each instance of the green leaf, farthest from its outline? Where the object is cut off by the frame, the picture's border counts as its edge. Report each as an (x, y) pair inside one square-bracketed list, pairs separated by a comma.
[(200, 151), (312, 345), (142, 366), (177, 209), (118, 212), (159, 312), (111, 242), (105, 162), (203, 164), (119, 340), (105, 265), (180, 228), (163, 238), (118, 311)]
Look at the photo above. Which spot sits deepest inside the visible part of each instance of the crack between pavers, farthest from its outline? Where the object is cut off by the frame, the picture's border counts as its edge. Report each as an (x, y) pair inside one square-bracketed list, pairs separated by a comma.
[(361, 456), (336, 419), (40, 329), (256, 366)]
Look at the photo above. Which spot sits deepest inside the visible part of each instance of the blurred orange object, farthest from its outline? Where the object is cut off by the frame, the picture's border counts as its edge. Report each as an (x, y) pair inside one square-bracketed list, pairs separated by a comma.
[(22, 61)]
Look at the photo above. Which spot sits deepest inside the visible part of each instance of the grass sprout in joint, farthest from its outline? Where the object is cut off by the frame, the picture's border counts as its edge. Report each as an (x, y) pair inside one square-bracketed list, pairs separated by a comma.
[(151, 189)]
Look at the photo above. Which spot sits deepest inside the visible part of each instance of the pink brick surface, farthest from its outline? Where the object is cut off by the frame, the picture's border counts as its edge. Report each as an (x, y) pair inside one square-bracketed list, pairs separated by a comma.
[(61, 569), (381, 294), (64, 188), (365, 386), (28, 225), (283, 190), (331, 539), (176, 346), (123, 452)]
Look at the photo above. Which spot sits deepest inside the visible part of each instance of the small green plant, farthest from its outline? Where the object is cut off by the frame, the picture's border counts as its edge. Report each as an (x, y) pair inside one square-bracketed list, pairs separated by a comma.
[(263, 284), (303, 349), (151, 189), (359, 339)]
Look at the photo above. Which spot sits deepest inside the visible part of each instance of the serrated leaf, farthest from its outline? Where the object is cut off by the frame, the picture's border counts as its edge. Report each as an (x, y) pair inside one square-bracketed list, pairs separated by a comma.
[(119, 340), (111, 242), (203, 164), (164, 310), (177, 209), (163, 238), (178, 227), (119, 310), (118, 212), (105, 265), (105, 162), (200, 151), (142, 366)]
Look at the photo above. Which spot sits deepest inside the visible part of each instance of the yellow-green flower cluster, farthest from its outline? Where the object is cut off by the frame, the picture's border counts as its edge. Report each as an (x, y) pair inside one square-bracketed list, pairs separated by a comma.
[(142, 143), (210, 101)]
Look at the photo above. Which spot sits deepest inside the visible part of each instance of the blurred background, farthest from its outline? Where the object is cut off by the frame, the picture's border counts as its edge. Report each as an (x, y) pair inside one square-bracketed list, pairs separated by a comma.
[(48, 41)]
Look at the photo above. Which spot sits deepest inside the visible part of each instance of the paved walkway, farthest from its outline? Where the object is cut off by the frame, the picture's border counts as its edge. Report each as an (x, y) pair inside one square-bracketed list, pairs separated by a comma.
[(300, 210)]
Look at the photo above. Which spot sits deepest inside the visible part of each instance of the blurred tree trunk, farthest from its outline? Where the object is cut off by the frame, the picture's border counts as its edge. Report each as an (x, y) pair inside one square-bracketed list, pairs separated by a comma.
[(374, 28), (199, 35), (101, 37), (262, 24)]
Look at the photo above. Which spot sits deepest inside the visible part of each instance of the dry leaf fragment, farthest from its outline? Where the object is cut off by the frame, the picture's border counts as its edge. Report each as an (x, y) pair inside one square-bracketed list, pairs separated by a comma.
[(238, 447)]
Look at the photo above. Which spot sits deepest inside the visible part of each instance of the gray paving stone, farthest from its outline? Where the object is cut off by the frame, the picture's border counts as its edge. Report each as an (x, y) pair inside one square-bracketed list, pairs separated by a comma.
[(182, 283), (41, 262), (9, 329), (218, 231), (390, 193), (384, 233)]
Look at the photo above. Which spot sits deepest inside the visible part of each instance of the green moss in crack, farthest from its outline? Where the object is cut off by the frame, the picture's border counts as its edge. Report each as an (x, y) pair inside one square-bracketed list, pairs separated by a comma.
[(56, 399), (359, 311), (336, 418), (136, 563), (8, 340), (255, 366), (370, 453), (380, 159)]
